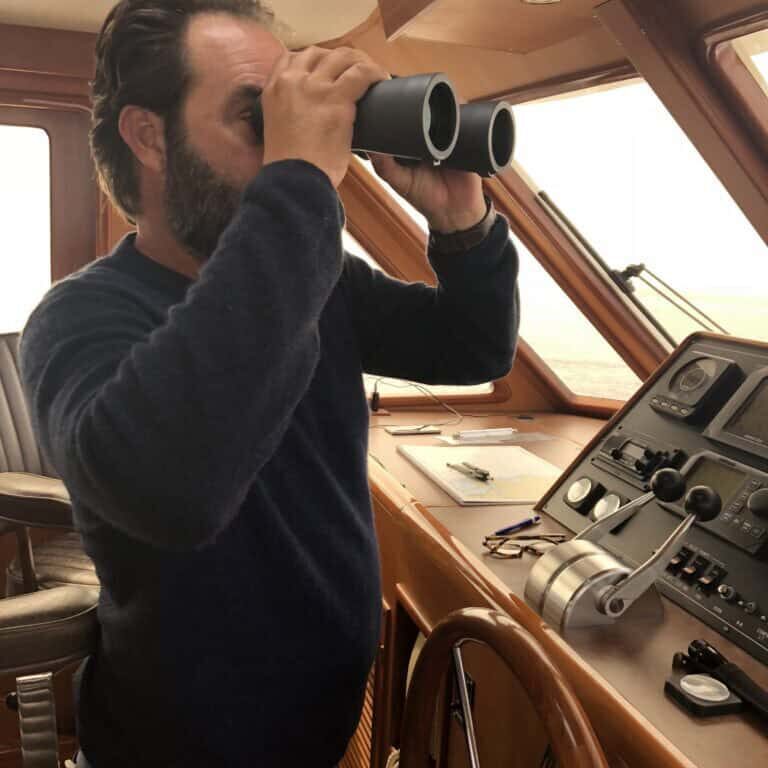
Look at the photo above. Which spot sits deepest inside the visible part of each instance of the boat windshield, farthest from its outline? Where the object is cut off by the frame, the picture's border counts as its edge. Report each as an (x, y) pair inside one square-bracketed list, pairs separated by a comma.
[(626, 175)]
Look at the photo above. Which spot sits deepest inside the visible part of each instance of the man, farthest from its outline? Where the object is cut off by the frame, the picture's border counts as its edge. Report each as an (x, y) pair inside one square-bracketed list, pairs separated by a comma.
[(199, 389)]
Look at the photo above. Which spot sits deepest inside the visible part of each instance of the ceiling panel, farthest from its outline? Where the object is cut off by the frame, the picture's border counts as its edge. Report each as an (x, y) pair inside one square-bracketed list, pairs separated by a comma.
[(504, 25), (308, 22)]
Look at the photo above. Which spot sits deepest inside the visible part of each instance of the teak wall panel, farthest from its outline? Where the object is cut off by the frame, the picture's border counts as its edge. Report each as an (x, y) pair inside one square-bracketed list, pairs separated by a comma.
[(45, 51)]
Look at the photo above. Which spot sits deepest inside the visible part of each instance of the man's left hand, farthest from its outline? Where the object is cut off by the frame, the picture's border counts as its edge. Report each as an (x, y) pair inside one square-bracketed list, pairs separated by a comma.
[(450, 200)]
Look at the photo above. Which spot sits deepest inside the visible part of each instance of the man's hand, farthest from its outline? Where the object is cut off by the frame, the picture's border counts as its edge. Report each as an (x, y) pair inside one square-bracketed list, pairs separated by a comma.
[(310, 105), (451, 200)]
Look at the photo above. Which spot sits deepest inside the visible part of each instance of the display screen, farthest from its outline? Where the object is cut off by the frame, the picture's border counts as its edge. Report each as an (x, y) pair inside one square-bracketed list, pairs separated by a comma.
[(725, 480), (751, 422)]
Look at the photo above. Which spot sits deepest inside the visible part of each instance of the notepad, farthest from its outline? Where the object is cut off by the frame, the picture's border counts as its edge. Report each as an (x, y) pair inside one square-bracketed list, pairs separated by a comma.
[(519, 477)]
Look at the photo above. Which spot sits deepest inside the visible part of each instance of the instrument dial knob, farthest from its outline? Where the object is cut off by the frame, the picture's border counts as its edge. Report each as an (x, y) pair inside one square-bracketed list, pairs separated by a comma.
[(579, 490), (606, 506), (727, 593)]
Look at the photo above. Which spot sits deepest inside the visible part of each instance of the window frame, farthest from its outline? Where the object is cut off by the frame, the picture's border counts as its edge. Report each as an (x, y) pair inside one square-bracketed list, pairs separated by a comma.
[(387, 230), (74, 196), (736, 82), (44, 83)]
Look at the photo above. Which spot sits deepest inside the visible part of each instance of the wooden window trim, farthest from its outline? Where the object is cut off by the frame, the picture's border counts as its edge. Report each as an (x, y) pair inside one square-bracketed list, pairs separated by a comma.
[(397, 243), (44, 83), (737, 82), (569, 83), (73, 194)]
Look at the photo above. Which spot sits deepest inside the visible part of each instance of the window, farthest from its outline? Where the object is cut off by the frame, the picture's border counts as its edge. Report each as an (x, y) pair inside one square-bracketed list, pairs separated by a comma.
[(753, 51), (565, 339), (623, 172), (738, 57), (25, 221), (397, 387), (558, 331)]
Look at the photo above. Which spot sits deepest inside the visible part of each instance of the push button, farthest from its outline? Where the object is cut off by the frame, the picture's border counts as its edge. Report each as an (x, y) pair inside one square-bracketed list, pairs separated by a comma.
[(694, 568), (711, 578), (679, 560)]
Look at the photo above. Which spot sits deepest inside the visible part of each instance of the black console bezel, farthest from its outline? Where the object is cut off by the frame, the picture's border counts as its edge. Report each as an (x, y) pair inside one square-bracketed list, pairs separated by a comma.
[(717, 429)]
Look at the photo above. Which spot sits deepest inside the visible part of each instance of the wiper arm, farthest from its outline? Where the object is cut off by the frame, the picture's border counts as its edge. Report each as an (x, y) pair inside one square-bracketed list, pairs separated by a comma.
[(636, 270), (581, 242)]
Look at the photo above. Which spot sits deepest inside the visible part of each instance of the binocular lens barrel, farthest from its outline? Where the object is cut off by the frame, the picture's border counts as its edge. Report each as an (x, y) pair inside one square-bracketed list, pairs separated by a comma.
[(418, 119), (414, 117), (486, 138)]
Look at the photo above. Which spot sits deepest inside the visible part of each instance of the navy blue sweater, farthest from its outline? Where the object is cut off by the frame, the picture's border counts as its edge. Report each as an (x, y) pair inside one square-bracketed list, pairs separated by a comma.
[(213, 438)]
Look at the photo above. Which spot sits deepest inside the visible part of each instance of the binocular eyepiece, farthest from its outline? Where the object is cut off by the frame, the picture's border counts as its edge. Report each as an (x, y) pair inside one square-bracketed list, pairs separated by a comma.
[(418, 119)]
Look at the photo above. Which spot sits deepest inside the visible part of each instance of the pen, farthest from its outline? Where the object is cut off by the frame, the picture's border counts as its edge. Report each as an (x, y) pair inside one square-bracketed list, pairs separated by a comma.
[(501, 433), (470, 470), (522, 525)]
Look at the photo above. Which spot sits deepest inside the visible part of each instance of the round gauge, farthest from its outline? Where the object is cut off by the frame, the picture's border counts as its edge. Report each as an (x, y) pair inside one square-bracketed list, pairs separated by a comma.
[(705, 688), (608, 504), (579, 490), (694, 376)]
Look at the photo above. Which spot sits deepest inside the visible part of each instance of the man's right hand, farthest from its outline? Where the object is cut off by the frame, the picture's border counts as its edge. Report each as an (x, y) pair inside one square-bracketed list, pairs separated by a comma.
[(310, 106)]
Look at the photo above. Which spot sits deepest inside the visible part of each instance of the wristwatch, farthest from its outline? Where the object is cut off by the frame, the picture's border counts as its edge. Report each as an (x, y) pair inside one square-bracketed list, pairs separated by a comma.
[(463, 240)]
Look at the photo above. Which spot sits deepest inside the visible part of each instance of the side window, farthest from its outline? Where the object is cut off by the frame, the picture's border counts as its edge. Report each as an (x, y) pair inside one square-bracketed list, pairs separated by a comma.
[(565, 339), (396, 387), (557, 330), (620, 168), (25, 221)]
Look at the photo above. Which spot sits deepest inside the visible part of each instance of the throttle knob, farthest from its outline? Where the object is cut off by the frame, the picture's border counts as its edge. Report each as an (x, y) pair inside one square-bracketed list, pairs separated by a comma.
[(704, 502), (668, 485), (757, 503)]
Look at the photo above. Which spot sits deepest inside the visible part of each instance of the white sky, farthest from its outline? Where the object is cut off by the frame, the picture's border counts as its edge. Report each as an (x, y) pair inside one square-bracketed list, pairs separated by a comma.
[(25, 221), (761, 62)]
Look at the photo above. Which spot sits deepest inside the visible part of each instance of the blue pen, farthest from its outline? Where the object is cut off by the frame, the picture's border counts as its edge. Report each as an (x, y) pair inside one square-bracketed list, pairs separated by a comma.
[(521, 526)]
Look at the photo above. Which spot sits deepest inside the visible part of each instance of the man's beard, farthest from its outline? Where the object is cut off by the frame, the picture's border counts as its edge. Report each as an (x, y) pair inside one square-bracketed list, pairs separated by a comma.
[(200, 204)]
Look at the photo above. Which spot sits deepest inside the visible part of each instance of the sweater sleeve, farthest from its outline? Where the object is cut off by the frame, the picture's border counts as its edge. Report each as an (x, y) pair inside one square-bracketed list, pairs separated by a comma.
[(464, 331), (160, 431)]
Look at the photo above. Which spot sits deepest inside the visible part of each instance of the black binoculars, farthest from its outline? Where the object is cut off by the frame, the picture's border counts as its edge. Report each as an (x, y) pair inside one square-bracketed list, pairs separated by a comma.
[(418, 119)]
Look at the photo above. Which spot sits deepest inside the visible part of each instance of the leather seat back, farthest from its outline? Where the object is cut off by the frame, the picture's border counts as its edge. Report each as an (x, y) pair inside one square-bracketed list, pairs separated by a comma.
[(19, 450)]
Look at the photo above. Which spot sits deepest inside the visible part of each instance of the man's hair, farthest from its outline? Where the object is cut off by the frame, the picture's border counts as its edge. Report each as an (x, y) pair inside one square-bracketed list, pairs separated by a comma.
[(140, 60)]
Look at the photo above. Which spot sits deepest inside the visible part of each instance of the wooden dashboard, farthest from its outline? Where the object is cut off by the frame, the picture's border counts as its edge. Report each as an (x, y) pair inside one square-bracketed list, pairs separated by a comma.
[(433, 563)]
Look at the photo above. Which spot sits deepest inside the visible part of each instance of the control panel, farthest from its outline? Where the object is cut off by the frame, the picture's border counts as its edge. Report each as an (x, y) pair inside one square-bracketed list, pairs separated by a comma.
[(705, 413)]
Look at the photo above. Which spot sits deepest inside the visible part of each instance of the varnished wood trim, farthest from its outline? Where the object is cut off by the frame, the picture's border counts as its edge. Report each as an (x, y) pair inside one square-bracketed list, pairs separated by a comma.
[(73, 194), (736, 26), (656, 38), (568, 83), (397, 15), (737, 81), (418, 616), (58, 53)]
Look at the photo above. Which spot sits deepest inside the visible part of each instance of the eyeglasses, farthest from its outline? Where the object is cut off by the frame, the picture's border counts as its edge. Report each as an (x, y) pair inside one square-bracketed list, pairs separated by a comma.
[(513, 547)]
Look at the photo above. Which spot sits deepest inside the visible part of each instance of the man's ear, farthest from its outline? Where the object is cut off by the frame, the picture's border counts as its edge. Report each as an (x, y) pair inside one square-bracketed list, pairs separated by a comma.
[(144, 132)]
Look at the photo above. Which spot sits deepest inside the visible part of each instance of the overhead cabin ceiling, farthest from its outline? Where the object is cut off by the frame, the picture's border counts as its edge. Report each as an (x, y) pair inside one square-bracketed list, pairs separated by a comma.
[(307, 21), (503, 25)]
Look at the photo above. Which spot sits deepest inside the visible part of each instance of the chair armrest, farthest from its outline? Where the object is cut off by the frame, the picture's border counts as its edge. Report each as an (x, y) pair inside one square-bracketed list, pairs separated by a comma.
[(27, 499), (47, 629)]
